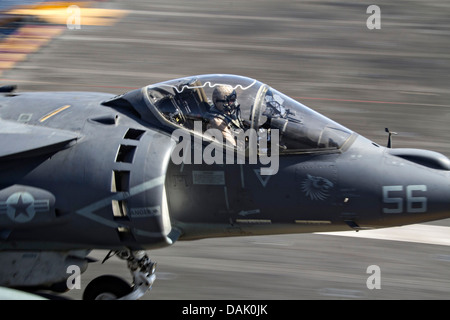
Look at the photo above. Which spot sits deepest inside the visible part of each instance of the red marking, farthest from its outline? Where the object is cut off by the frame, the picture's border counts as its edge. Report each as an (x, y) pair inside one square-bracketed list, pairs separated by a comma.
[(68, 84)]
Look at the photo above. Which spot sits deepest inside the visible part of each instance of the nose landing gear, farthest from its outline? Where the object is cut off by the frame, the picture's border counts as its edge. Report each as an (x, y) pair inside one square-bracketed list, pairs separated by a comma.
[(114, 288)]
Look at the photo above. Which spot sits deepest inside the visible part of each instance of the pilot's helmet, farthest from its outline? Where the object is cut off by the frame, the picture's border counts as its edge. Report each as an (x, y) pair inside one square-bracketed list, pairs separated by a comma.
[(224, 98)]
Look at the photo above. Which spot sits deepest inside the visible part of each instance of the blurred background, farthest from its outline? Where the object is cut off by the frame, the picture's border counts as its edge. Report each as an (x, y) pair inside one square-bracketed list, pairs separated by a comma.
[(320, 52)]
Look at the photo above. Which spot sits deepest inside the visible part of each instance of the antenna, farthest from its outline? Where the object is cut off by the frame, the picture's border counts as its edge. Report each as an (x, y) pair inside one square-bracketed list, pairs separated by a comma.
[(389, 144)]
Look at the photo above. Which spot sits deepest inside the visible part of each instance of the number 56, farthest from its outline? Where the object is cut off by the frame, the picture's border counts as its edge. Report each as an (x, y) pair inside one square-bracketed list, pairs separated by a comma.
[(414, 204)]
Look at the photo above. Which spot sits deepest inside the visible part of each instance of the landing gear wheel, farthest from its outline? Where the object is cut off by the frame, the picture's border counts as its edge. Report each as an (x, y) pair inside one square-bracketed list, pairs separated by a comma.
[(114, 288), (106, 288)]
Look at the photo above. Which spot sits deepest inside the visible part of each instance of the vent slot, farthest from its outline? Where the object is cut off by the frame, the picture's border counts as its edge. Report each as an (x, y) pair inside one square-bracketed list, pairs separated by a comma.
[(134, 134), (106, 120), (120, 181), (125, 234), (125, 153), (119, 208)]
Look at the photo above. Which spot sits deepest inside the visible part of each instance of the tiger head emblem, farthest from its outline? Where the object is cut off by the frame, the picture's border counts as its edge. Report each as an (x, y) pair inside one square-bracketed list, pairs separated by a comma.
[(316, 188)]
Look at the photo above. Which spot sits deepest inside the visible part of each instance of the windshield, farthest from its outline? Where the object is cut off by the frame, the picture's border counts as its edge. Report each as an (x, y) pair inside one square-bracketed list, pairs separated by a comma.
[(233, 103)]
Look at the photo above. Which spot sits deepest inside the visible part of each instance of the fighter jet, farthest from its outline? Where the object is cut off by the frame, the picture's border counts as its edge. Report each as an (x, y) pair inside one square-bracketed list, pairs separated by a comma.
[(130, 173)]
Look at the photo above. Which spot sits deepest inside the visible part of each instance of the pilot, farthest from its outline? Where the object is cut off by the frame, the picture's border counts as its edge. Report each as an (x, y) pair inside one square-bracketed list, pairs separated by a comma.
[(225, 113)]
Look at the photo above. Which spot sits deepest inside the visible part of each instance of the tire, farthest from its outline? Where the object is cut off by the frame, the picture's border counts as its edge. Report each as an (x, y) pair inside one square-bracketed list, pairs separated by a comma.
[(106, 288)]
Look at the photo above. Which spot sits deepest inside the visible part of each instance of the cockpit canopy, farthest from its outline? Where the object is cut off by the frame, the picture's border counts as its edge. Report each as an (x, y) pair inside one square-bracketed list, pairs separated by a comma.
[(181, 102), (187, 102)]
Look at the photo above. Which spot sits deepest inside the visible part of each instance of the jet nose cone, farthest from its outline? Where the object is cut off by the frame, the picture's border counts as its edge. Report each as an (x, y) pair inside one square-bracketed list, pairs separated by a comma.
[(427, 158), (416, 186)]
